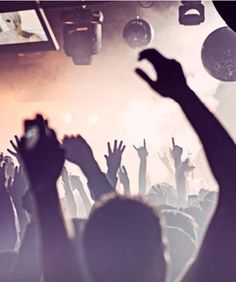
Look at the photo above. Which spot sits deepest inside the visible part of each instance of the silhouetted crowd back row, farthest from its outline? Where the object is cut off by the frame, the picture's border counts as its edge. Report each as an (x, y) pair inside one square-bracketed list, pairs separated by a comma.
[(163, 234)]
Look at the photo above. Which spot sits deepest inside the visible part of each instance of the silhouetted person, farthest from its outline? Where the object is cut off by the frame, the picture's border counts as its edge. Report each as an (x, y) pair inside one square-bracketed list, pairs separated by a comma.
[(123, 242), (217, 256), (142, 175), (43, 163)]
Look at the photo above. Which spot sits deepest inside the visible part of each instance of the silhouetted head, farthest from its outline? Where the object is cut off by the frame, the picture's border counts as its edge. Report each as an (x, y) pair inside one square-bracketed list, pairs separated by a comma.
[(123, 242), (12, 20), (180, 219)]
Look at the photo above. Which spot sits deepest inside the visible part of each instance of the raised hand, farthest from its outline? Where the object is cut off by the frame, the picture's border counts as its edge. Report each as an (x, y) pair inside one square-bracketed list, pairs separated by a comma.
[(1, 158), (113, 160), (76, 183), (157, 195), (15, 149), (142, 150), (187, 166), (166, 162), (65, 175), (2, 174), (164, 159), (18, 186), (124, 179), (71, 203), (170, 80), (44, 161), (142, 153), (77, 150), (10, 167), (176, 151)]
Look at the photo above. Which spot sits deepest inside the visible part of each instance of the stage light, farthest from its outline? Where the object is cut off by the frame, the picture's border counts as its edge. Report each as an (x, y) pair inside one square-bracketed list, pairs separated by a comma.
[(138, 33), (67, 117), (191, 13), (82, 34), (219, 54), (93, 118)]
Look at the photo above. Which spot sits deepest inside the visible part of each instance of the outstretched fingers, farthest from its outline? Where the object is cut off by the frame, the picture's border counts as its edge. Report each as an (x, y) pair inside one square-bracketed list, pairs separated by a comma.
[(109, 148), (153, 56), (11, 152), (144, 143), (135, 147), (145, 77)]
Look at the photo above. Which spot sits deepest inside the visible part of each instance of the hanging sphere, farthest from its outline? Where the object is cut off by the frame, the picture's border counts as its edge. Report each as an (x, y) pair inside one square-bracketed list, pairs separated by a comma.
[(137, 33), (219, 54)]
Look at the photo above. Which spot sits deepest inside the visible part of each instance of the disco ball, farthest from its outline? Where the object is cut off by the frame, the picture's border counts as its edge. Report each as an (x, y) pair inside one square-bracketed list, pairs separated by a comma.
[(137, 33), (219, 54)]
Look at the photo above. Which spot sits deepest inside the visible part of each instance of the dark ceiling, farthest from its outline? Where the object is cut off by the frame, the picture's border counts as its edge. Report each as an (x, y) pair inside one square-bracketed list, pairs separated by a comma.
[(116, 15)]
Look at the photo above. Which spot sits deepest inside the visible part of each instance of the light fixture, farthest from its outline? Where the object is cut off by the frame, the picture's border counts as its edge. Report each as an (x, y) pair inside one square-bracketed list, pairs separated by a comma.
[(138, 33), (219, 54), (191, 13), (82, 34)]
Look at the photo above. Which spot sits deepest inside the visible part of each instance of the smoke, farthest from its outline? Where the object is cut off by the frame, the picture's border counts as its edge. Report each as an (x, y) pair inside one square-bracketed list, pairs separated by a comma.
[(107, 100)]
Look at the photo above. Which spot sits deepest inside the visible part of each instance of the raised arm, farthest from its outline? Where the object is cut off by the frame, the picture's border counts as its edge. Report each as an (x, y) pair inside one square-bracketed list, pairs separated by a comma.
[(218, 145), (124, 179), (79, 152), (8, 233), (142, 175), (44, 158), (217, 256), (77, 184), (182, 168), (68, 193), (166, 162), (16, 190), (113, 159)]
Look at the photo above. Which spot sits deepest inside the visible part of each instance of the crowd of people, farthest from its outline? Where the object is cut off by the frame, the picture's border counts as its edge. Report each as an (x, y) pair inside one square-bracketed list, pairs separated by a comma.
[(162, 234)]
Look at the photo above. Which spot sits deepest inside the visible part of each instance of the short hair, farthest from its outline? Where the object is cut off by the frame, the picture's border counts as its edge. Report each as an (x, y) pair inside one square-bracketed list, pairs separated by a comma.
[(123, 241), (181, 220)]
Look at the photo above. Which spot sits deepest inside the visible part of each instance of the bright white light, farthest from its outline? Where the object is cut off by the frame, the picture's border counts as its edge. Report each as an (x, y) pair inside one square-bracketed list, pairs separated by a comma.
[(93, 118), (67, 118)]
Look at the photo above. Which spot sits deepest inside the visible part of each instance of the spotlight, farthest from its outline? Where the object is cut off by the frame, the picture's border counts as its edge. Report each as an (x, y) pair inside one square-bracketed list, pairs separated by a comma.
[(138, 33), (82, 34), (219, 54), (191, 13)]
